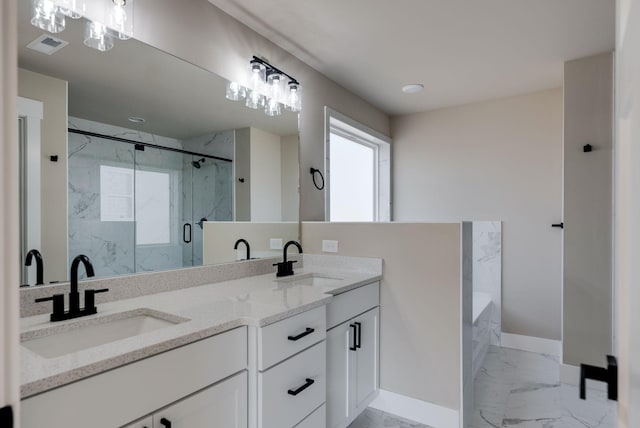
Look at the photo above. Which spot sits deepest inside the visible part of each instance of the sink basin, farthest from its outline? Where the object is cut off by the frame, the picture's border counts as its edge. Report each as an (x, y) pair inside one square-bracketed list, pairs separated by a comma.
[(58, 340), (311, 279)]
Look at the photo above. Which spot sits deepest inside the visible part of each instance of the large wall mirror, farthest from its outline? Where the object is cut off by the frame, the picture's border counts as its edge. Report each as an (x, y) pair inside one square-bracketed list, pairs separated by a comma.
[(135, 158)]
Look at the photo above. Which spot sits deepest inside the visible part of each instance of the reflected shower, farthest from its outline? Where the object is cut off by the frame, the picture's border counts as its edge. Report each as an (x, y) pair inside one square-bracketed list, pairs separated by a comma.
[(196, 164)]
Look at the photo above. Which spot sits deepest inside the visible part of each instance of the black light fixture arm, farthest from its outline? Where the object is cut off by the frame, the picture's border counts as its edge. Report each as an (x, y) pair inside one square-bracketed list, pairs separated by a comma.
[(271, 68)]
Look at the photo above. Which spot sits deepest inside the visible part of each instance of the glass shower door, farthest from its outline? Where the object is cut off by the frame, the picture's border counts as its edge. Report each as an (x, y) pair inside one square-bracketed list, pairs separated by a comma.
[(163, 206)]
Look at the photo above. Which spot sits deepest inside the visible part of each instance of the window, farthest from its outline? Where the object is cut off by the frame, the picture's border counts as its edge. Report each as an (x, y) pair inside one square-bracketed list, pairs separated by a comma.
[(147, 199), (358, 171)]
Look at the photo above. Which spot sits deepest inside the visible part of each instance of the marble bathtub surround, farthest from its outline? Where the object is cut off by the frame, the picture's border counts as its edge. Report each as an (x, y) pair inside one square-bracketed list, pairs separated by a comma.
[(211, 308), (487, 270), (482, 316)]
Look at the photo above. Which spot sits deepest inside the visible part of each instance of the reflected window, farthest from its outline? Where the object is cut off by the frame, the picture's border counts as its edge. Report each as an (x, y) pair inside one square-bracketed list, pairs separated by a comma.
[(143, 196)]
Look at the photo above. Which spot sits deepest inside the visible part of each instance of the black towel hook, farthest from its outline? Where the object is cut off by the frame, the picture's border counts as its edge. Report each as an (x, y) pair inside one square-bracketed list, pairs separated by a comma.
[(313, 172)]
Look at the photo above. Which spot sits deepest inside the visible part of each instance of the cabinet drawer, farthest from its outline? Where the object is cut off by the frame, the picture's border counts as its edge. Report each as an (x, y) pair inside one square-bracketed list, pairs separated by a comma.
[(347, 305), (315, 419), (139, 388), (284, 338), (284, 401)]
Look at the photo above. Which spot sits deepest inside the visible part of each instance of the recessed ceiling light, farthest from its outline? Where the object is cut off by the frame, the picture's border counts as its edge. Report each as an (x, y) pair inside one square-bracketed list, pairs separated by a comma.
[(412, 88), (136, 119)]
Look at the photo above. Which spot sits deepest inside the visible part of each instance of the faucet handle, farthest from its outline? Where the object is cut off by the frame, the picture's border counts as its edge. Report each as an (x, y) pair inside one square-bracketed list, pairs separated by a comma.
[(90, 300), (58, 304)]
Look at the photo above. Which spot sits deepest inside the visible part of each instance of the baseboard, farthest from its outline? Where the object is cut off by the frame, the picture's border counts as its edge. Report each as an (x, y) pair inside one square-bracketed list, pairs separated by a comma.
[(571, 375), (416, 410), (531, 344)]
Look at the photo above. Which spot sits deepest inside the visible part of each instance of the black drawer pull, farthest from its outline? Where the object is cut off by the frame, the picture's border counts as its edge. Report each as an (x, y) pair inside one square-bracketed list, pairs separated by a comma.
[(355, 331), (307, 384), (359, 342), (307, 332), (166, 423)]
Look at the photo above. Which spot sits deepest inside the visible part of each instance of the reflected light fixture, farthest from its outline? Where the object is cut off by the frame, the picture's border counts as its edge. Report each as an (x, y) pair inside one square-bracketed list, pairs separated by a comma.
[(109, 19), (268, 88)]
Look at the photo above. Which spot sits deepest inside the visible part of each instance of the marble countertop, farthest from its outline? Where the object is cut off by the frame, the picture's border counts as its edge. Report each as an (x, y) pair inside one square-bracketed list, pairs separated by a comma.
[(208, 310)]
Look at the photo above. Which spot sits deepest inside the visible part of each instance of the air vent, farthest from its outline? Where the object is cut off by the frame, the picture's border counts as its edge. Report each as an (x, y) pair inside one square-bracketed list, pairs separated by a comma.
[(47, 44)]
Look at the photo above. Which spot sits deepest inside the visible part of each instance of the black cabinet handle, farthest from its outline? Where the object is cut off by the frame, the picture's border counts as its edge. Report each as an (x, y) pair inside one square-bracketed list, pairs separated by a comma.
[(166, 423), (307, 384), (307, 332), (560, 225), (359, 342), (355, 331), (184, 233)]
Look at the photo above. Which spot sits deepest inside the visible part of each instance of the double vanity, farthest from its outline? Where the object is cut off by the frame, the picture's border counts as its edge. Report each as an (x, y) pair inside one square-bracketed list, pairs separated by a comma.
[(245, 349)]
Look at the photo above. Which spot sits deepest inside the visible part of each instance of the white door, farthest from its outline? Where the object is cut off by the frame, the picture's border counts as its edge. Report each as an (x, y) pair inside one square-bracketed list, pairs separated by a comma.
[(9, 268), (339, 340), (221, 405), (627, 211), (366, 359)]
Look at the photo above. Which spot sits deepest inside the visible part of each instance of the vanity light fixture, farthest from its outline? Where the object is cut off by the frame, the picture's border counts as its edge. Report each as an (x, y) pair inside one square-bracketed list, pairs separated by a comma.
[(109, 19), (268, 88)]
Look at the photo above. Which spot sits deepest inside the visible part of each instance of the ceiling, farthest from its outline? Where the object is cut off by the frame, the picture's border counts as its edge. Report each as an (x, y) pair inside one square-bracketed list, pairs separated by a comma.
[(461, 50), (177, 99)]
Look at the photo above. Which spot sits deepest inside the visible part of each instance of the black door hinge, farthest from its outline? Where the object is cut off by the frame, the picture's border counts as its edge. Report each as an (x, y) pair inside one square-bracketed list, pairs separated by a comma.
[(6, 417)]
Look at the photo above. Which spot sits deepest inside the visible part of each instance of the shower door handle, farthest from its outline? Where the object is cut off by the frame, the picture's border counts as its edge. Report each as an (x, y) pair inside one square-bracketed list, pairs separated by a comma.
[(186, 238)]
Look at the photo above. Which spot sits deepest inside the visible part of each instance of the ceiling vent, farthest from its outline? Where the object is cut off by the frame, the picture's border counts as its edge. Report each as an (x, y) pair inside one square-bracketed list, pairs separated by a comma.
[(47, 44)]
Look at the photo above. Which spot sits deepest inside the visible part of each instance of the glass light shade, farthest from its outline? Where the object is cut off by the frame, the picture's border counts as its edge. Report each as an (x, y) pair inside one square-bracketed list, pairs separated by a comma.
[(97, 37), (273, 107), (235, 91), (274, 80), (294, 97), (255, 100), (256, 77), (47, 16), (120, 18), (74, 9)]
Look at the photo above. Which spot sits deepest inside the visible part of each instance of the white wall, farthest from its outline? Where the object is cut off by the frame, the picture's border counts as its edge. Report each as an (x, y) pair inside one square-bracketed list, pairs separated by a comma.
[(266, 180), (202, 34), (627, 211), (9, 263), (420, 319), (52, 93), (494, 160), (289, 162)]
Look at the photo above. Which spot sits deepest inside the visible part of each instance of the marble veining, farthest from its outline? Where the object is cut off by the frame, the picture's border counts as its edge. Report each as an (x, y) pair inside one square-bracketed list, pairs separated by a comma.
[(517, 389), (487, 270), (211, 308)]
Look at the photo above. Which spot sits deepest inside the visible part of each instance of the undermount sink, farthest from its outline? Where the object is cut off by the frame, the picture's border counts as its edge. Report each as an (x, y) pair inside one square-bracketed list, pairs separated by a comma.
[(311, 279), (58, 340)]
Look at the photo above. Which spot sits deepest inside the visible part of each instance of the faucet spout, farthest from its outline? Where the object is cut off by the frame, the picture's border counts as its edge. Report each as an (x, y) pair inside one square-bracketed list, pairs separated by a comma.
[(39, 265), (286, 246), (246, 243), (74, 296)]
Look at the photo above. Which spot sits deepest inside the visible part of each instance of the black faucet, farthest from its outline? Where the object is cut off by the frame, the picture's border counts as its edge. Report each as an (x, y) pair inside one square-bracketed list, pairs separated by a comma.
[(59, 314), (39, 265), (285, 268), (244, 241)]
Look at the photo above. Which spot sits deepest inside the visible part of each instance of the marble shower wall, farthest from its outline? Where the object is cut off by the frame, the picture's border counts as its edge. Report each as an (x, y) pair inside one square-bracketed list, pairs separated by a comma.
[(487, 270), (111, 245)]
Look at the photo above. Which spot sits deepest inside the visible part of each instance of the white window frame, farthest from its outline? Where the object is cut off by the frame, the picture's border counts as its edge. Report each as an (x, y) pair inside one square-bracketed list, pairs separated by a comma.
[(346, 127)]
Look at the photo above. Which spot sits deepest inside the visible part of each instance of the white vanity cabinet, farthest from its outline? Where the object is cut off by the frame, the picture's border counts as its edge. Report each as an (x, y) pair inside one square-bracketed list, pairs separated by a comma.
[(197, 385), (290, 372), (352, 354)]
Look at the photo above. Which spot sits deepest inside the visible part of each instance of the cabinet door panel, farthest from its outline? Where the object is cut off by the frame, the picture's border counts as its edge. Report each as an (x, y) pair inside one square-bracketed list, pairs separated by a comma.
[(221, 405), (338, 341), (366, 357)]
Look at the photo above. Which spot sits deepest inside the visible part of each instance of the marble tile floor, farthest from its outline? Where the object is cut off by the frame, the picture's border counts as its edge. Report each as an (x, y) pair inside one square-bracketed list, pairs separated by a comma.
[(517, 389), (372, 418)]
